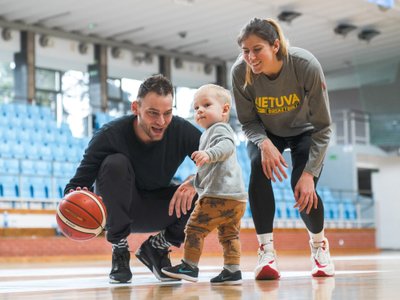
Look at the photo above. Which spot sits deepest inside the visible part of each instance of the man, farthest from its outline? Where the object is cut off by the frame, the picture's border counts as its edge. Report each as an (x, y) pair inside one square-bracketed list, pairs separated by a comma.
[(133, 160)]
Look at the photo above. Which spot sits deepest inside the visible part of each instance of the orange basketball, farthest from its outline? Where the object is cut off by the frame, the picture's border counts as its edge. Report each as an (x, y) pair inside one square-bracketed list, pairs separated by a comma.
[(81, 215)]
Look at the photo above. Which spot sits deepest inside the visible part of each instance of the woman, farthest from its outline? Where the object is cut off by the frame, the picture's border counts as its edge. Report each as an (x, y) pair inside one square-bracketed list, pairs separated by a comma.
[(282, 102)]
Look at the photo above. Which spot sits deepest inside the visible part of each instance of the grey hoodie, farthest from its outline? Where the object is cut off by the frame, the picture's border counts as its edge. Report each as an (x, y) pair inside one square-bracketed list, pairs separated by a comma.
[(291, 104), (222, 177)]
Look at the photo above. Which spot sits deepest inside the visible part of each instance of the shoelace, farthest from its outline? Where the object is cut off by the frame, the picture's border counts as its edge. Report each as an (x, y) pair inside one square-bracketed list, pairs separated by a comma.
[(265, 256), (321, 256), (165, 260), (121, 259)]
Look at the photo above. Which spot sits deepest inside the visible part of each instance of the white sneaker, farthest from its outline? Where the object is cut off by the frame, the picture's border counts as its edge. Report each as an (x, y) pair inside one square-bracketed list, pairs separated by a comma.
[(266, 267), (322, 265)]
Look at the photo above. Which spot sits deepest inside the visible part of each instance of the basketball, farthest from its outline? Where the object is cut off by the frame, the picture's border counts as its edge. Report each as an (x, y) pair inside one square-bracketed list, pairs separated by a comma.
[(81, 215)]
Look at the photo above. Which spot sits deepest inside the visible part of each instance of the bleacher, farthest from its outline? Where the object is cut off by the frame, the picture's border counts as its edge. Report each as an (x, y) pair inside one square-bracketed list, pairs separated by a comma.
[(342, 209), (37, 157)]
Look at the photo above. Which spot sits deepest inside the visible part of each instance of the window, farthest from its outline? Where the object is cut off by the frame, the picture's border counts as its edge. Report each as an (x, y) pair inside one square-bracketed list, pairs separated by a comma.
[(6, 82)]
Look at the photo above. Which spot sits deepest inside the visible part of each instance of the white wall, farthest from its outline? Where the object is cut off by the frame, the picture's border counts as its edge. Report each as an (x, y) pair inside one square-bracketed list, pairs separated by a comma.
[(191, 74), (385, 184), (131, 65), (8, 48), (62, 54)]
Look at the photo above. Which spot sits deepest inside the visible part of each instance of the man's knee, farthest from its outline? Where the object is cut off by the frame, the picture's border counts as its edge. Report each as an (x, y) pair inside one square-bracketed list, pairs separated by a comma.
[(115, 165)]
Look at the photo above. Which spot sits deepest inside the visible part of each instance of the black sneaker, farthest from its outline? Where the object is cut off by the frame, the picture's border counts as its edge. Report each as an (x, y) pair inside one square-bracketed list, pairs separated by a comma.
[(120, 271), (155, 259), (182, 271), (227, 277)]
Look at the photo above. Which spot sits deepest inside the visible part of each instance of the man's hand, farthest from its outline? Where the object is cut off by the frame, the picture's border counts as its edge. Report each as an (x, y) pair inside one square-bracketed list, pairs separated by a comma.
[(304, 193), (78, 189), (182, 199)]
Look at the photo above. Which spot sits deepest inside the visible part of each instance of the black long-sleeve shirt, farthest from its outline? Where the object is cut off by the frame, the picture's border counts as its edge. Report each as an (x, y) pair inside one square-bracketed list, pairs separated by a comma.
[(154, 164)]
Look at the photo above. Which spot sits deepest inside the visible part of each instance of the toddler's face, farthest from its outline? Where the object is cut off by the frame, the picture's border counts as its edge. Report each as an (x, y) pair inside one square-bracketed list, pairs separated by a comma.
[(208, 110)]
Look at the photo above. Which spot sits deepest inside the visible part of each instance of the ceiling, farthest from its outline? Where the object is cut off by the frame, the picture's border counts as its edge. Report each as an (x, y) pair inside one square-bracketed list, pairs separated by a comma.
[(208, 28)]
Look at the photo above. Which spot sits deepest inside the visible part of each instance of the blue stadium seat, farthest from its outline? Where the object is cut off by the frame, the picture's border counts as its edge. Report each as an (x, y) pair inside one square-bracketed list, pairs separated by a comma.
[(61, 139), (58, 169), (45, 113), (41, 187), (349, 209), (21, 110), (33, 111), (3, 121), (46, 152), (11, 166), (10, 135), (24, 136), (5, 150), (33, 151), (18, 150), (59, 185), (280, 211), (26, 188), (186, 168), (59, 152), (9, 186), (331, 210), (65, 130), (28, 167), (74, 154), (15, 123), (69, 169), (8, 110), (28, 124), (43, 167), (247, 213), (40, 125)]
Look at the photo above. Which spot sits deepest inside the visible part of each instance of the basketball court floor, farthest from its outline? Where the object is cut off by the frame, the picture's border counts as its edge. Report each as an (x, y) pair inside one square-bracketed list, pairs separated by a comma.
[(369, 276)]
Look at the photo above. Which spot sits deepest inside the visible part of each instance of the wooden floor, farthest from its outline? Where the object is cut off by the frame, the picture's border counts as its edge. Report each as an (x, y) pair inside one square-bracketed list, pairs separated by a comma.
[(371, 276)]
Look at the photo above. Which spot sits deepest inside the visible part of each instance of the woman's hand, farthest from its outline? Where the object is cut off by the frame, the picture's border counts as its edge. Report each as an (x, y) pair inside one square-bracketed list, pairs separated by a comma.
[(304, 193), (272, 161), (182, 199)]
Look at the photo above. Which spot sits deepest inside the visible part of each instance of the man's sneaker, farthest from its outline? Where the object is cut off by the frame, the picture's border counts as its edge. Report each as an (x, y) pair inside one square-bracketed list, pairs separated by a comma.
[(227, 277), (155, 259), (266, 268), (322, 265), (182, 271), (120, 271)]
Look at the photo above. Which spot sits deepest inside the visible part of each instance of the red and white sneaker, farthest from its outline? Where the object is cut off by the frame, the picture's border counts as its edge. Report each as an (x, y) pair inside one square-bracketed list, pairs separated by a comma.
[(267, 267), (322, 265)]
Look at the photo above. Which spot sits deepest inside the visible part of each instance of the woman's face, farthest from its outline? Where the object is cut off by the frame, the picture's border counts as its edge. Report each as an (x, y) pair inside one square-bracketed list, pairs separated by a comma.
[(259, 55)]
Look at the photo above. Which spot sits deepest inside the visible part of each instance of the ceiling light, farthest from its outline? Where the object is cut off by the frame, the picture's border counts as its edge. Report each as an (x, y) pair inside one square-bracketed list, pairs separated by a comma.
[(83, 48), (6, 34), (115, 52), (184, 2), (44, 40), (288, 16), (344, 29), (368, 34)]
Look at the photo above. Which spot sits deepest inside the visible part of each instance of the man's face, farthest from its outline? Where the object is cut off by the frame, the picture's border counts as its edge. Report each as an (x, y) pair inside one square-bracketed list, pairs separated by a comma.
[(154, 114)]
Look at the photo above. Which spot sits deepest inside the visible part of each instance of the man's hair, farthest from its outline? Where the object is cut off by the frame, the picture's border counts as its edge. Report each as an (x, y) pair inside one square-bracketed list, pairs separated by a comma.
[(158, 84)]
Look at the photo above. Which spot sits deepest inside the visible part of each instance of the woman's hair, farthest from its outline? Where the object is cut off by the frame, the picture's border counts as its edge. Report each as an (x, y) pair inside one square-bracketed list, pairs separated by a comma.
[(268, 30)]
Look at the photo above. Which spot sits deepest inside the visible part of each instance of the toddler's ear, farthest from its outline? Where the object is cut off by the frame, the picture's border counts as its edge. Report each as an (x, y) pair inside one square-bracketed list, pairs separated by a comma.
[(226, 108)]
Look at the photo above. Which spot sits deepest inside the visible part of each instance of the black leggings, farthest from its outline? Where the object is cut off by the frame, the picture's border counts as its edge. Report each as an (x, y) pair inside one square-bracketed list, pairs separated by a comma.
[(130, 210), (261, 195)]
